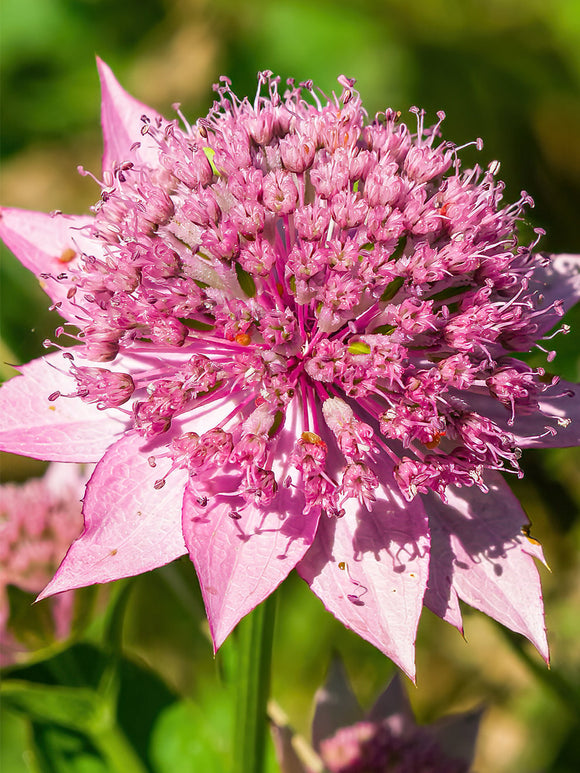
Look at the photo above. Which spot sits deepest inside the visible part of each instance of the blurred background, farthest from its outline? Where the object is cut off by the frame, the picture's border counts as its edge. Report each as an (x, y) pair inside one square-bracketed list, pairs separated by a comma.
[(507, 71)]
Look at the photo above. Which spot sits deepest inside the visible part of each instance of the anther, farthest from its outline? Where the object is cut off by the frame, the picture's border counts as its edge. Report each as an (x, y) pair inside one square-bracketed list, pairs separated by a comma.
[(243, 339), (67, 255)]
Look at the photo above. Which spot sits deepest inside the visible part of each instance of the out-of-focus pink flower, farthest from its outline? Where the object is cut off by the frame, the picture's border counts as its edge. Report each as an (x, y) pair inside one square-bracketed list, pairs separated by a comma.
[(38, 521), (385, 740), (293, 337)]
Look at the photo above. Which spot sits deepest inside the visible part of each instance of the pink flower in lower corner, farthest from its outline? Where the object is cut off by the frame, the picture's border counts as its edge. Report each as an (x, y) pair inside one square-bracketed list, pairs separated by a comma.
[(384, 740), (293, 338), (38, 521)]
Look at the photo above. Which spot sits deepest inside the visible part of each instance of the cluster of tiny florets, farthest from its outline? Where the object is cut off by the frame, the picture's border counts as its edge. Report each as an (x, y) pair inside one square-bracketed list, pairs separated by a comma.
[(290, 253)]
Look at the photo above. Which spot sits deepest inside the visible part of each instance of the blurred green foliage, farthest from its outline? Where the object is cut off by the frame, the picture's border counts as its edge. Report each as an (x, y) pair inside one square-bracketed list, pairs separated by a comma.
[(504, 70)]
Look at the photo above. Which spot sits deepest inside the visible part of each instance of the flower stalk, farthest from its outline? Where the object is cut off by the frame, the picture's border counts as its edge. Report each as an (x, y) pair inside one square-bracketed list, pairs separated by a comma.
[(254, 641)]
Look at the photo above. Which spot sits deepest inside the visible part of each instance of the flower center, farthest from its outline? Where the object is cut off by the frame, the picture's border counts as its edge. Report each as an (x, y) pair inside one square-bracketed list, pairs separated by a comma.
[(287, 256)]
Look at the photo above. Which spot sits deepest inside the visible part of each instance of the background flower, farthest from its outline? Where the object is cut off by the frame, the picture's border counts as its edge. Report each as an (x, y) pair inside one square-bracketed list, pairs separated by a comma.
[(384, 740), (39, 519)]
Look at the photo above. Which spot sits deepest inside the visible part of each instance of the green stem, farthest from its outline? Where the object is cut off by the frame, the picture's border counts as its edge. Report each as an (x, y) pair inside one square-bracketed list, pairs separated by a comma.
[(107, 736), (255, 636)]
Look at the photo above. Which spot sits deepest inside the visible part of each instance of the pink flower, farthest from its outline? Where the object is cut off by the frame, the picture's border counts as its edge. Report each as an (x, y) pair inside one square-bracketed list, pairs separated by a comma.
[(293, 334), (39, 519), (385, 740)]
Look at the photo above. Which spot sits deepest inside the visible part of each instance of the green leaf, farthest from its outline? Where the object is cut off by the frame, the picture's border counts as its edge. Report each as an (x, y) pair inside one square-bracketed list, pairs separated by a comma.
[(246, 281), (60, 750), (384, 330), (14, 737), (188, 738), (392, 289), (195, 324), (278, 419), (72, 707), (449, 292), (399, 249), (210, 153), (359, 347), (85, 698)]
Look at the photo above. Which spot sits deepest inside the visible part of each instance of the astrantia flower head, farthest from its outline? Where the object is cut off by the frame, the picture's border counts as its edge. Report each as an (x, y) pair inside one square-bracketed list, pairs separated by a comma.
[(294, 335), (384, 740), (38, 521)]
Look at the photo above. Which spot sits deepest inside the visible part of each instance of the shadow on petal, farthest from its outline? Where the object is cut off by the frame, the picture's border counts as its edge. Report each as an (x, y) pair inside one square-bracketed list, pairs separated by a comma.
[(484, 557)]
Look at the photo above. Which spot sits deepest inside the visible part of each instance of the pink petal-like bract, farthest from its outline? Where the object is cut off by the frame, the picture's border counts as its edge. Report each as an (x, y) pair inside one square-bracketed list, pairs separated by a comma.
[(335, 704), (555, 425), (558, 284), (130, 527), (490, 566), (241, 551), (371, 572), (294, 335), (54, 430), (121, 121), (48, 245)]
